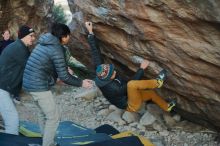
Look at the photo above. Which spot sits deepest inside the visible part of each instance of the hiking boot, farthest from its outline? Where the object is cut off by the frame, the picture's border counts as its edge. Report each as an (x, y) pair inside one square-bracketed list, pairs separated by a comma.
[(161, 77), (171, 105)]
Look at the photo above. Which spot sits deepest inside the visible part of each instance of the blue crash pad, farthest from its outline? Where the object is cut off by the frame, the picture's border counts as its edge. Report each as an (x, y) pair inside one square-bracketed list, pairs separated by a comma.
[(65, 129), (82, 140)]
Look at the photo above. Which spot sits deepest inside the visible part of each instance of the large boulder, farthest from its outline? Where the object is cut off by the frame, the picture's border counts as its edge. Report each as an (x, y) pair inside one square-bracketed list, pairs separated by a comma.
[(35, 13), (181, 36)]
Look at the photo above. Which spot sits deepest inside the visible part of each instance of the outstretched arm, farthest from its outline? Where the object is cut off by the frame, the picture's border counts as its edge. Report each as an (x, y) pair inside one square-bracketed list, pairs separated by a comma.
[(60, 65), (95, 50)]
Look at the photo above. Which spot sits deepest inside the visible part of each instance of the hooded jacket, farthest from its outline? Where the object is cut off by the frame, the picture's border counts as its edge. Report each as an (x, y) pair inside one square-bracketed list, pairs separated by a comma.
[(12, 64), (45, 64), (115, 91)]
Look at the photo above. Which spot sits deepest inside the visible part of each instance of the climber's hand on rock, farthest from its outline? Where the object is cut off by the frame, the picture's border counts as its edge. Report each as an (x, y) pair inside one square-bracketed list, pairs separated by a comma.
[(144, 64), (89, 27)]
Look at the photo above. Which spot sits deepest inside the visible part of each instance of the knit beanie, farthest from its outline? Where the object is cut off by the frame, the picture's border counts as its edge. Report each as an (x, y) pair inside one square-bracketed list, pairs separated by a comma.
[(24, 30), (105, 71)]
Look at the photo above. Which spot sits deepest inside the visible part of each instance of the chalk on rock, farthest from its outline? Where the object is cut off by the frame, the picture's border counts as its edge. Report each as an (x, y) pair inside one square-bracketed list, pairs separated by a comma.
[(136, 59)]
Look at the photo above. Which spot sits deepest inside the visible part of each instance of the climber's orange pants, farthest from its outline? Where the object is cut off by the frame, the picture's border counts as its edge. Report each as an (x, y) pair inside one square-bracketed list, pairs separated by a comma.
[(140, 91)]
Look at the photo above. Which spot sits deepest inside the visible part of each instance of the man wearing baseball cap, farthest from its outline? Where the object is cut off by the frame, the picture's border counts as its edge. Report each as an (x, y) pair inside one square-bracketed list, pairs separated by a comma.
[(12, 63)]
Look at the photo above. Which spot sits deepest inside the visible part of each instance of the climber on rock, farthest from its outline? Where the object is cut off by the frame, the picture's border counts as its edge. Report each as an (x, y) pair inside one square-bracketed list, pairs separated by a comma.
[(125, 95)]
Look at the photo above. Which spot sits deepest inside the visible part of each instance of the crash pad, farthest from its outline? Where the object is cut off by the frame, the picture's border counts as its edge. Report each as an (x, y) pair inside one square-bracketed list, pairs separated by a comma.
[(144, 140), (65, 129), (82, 140), (18, 140), (123, 141)]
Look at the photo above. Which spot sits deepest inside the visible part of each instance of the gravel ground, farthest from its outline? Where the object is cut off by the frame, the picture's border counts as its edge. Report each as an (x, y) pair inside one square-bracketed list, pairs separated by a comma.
[(87, 113)]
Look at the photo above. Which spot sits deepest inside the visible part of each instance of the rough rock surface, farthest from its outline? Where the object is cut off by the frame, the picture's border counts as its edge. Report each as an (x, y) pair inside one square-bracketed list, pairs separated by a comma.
[(34, 13), (181, 36)]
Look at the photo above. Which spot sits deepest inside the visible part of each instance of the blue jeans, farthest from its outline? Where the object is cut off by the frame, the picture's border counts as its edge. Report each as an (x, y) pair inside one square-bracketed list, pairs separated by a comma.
[(9, 113)]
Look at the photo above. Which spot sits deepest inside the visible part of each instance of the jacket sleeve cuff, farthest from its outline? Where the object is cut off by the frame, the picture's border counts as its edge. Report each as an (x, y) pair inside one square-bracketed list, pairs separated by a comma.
[(91, 35)]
